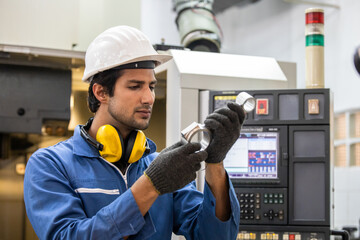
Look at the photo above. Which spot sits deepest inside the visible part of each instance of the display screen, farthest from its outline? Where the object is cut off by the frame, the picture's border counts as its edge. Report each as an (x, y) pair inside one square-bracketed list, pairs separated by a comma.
[(254, 156)]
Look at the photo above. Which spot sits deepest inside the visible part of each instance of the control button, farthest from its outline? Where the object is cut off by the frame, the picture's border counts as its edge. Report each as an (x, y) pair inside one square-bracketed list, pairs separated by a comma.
[(241, 205), (257, 195), (247, 236), (241, 195), (246, 217), (252, 201), (281, 212), (246, 211), (263, 236), (262, 106), (285, 236), (252, 211), (252, 235), (251, 217), (265, 201), (281, 217), (291, 236), (257, 206), (281, 195), (313, 106), (276, 195), (251, 195), (257, 200), (297, 237), (276, 201), (276, 214), (246, 195), (270, 201), (242, 211), (266, 214), (281, 201), (265, 195), (241, 200), (257, 217), (270, 195), (251, 205), (275, 236)]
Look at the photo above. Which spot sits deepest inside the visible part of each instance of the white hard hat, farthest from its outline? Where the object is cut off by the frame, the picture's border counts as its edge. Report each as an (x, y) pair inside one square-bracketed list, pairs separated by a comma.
[(118, 46)]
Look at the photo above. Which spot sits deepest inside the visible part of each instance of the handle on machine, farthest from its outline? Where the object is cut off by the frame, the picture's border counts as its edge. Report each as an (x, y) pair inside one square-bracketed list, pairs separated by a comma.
[(343, 233)]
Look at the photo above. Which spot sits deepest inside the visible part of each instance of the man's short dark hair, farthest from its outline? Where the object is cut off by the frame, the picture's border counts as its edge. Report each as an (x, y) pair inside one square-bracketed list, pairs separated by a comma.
[(107, 79)]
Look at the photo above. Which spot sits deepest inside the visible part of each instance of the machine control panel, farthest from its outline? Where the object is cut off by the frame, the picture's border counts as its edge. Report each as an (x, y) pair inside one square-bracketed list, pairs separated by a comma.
[(281, 162), (262, 205)]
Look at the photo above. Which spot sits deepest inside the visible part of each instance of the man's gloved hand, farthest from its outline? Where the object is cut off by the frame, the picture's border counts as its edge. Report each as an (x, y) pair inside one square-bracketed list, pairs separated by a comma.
[(175, 167), (224, 124)]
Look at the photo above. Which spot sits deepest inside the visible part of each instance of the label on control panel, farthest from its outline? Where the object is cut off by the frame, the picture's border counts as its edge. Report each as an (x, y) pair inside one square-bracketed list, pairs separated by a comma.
[(285, 235)]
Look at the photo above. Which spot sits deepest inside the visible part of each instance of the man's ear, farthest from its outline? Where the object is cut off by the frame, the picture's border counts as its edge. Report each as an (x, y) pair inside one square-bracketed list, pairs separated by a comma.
[(100, 92)]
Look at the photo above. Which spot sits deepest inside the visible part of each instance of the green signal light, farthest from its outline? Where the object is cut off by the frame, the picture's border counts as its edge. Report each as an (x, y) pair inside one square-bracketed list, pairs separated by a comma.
[(315, 40)]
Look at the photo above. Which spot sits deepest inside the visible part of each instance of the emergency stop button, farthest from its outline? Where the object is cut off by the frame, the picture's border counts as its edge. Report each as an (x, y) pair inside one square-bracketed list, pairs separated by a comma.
[(262, 106)]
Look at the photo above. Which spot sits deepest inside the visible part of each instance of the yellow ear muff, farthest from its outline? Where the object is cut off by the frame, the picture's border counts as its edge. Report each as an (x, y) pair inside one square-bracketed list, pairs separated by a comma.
[(138, 147), (109, 137)]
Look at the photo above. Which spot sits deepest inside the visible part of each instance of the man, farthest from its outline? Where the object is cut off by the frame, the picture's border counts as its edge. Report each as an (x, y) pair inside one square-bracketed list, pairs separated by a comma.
[(92, 186)]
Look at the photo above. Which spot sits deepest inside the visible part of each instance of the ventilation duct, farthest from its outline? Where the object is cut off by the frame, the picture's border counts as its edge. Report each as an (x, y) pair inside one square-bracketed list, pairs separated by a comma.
[(197, 25)]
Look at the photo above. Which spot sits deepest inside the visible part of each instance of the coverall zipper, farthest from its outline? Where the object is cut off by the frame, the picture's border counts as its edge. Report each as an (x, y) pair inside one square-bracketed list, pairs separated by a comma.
[(124, 176)]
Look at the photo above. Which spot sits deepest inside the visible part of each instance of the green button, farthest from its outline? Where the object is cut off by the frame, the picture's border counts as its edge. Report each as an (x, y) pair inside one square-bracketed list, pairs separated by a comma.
[(276, 201), (265, 201), (281, 201), (270, 201), (265, 195), (281, 195), (270, 195), (276, 195)]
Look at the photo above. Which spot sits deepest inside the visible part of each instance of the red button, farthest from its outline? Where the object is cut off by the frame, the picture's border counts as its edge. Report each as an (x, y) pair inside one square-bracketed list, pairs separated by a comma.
[(262, 106), (291, 236)]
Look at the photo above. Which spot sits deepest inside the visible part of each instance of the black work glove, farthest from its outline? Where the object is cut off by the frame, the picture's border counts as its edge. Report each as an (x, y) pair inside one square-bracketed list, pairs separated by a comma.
[(225, 125), (175, 167)]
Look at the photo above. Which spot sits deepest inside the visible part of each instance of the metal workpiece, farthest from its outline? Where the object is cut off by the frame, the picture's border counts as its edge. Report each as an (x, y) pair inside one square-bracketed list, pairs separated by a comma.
[(246, 101), (204, 135), (196, 129)]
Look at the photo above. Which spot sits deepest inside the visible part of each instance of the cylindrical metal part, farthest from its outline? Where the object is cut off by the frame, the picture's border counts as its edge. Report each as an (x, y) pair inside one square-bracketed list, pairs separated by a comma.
[(246, 100), (314, 50), (196, 132)]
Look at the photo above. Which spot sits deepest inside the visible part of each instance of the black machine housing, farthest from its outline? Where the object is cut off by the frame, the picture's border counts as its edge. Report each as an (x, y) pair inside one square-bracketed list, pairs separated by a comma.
[(286, 196)]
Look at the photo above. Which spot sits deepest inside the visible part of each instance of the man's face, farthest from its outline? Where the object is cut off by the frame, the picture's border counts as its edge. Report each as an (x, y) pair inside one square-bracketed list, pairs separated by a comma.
[(133, 99)]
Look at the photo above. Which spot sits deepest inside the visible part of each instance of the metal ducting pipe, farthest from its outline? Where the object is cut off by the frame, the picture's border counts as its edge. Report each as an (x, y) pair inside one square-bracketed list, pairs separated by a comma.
[(197, 25)]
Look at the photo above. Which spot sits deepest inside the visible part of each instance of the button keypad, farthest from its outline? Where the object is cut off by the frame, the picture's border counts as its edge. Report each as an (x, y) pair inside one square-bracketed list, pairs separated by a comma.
[(273, 198), (262, 205), (248, 206)]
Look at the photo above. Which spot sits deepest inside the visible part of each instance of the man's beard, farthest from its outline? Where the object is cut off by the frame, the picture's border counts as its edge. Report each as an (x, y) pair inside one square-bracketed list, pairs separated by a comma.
[(130, 123)]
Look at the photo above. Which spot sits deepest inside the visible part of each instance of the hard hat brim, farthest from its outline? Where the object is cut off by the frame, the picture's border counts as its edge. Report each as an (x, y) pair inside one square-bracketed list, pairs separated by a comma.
[(158, 59)]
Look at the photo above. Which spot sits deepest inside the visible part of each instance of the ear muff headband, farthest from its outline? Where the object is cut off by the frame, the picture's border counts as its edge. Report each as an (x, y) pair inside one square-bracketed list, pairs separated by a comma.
[(112, 141), (111, 145), (136, 146)]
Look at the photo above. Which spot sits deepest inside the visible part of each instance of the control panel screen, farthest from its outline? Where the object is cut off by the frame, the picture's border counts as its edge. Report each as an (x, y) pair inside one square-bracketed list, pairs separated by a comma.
[(254, 156)]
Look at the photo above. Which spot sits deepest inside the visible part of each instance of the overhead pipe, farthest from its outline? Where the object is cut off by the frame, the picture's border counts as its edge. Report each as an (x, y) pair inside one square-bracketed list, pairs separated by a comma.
[(197, 25)]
